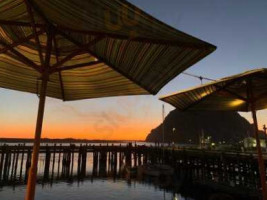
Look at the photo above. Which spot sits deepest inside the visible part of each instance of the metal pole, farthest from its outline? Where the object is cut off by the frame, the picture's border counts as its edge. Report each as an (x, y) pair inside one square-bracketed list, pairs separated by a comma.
[(265, 136), (173, 138), (260, 157), (163, 134), (33, 170), (163, 118), (256, 132)]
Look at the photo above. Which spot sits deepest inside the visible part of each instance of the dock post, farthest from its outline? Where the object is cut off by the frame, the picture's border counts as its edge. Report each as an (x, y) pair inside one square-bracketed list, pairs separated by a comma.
[(72, 159), (2, 160), (5, 174), (16, 163), (14, 152), (53, 162), (21, 162), (79, 162), (28, 164), (95, 162), (47, 162), (58, 162)]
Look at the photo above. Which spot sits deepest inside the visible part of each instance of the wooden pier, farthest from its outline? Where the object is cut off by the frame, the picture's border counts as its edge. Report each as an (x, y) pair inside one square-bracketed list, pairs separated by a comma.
[(234, 169)]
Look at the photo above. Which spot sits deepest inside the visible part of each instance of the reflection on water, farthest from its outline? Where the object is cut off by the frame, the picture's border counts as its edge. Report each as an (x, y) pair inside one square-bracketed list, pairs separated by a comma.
[(104, 178), (80, 173), (100, 189)]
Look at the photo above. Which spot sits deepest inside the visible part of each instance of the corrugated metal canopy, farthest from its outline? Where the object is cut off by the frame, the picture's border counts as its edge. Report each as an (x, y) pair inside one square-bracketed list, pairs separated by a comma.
[(100, 48), (229, 93)]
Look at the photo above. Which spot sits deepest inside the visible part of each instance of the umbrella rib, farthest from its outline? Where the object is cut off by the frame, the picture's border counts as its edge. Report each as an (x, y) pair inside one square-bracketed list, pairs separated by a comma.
[(16, 23), (14, 44), (36, 8), (138, 39), (111, 35), (66, 59), (205, 97), (260, 96), (76, 66), (21, 57), (61, 86), (78, 52), (50, 34), (30, 13), (233, 93), (39, 11), (103, 61), (59, 73)]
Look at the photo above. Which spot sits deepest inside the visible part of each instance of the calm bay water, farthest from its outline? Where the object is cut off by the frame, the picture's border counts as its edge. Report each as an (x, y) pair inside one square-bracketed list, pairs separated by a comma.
[(100, 183), (97, 190)]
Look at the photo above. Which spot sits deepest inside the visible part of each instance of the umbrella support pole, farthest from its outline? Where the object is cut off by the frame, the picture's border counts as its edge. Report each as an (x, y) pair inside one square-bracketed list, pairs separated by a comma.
[(260, 157), (33, 169)]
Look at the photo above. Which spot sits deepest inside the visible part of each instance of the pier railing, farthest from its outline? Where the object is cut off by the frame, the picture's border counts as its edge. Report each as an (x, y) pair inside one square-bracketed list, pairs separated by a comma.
[(235, 169)]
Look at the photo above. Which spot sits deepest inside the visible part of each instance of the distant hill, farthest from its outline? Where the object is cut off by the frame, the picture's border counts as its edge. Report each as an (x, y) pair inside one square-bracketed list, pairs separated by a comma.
[(221, 126)]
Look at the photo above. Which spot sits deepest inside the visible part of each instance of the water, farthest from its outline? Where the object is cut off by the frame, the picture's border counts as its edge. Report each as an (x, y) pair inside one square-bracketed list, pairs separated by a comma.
[(101, 189), (97, 188), (103, 183)]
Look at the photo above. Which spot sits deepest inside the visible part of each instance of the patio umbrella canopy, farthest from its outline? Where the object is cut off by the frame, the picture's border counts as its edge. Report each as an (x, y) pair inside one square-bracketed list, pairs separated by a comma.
[(242, 92), (82, 49), (97, 48)]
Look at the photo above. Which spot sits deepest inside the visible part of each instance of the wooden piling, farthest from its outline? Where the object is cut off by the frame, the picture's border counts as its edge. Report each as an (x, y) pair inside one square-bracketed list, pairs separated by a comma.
[(59, 159), (47, 162), (72, 159), (21, 162), (16, 164), (3, 149), (13, 153), (28, 164), (53, 162)]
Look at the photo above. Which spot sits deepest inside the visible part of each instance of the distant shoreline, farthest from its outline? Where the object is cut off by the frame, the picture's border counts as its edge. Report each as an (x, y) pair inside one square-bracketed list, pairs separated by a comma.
[(65, 140)]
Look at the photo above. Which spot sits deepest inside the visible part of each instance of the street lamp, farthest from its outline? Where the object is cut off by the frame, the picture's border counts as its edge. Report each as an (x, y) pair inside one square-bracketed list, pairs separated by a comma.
[(173, 131)]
